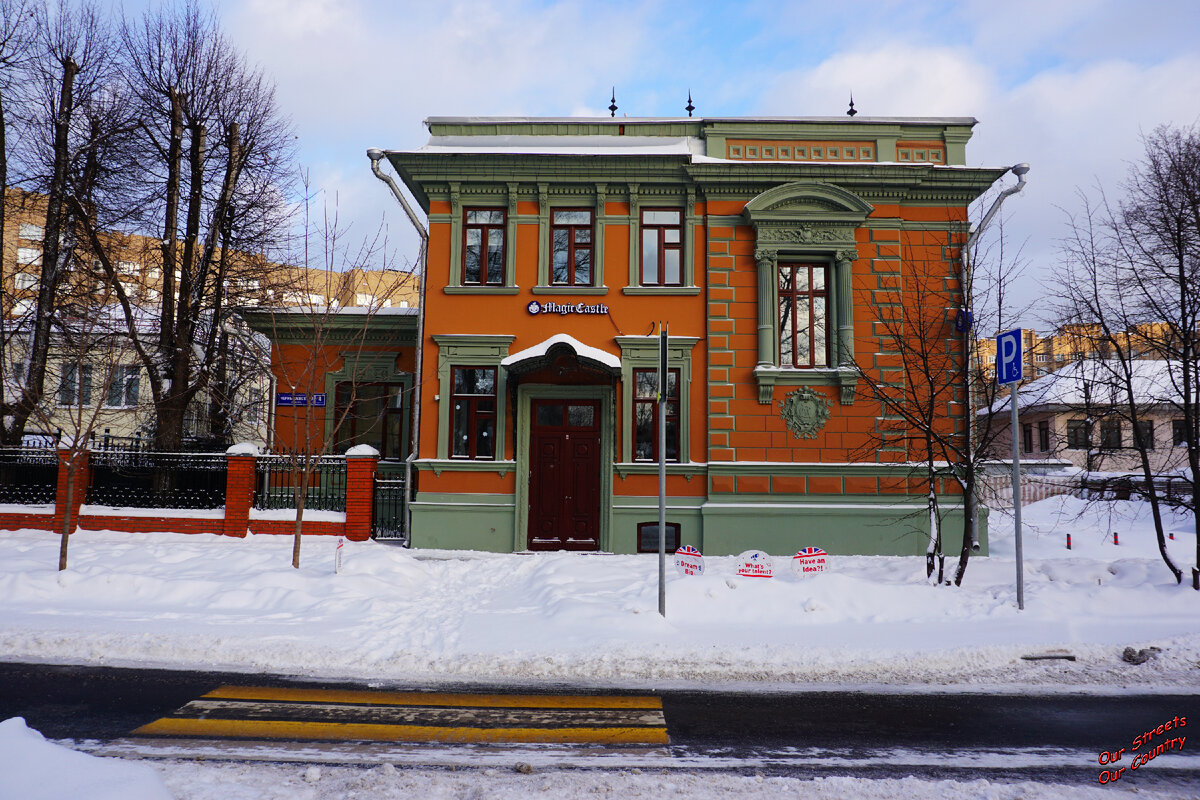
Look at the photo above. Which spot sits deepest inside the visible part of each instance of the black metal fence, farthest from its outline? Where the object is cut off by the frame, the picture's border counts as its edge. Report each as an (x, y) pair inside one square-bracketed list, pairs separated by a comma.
[(28, 475), (1172, 489), (278, 475), (136, 478)]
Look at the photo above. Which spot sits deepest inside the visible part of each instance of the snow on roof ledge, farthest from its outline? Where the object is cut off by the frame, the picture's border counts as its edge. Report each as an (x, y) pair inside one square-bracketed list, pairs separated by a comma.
[(582, 350)]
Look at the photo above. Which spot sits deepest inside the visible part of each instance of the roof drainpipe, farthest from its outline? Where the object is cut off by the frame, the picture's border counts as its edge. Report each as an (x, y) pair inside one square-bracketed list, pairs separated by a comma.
[(376, 155), (1020, 171)]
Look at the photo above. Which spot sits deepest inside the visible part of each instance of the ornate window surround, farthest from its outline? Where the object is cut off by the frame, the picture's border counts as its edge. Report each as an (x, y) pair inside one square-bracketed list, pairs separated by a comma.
[(806, 221), (471, 350), (369, 366), (455, 284), (638, 199), (595, 201), (641, 352)]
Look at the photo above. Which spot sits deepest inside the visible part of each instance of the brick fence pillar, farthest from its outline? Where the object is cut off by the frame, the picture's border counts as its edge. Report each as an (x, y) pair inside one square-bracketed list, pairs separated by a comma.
[(239, 490), (83, 476), (360, 493)]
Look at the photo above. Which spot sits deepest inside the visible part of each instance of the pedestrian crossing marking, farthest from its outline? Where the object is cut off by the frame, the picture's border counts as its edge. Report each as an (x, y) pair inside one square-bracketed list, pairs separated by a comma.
[(248, 712)]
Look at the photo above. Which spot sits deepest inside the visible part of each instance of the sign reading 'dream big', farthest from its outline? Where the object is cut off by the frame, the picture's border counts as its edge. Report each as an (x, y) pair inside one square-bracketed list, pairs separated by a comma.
[(809, 561), (755, 564), (688, 561)]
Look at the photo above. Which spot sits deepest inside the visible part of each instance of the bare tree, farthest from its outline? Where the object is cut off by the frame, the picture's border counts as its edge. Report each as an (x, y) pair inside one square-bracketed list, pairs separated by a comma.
[(1135, 280), (214, 159), (930, 381), (333, 334), (73, 114)]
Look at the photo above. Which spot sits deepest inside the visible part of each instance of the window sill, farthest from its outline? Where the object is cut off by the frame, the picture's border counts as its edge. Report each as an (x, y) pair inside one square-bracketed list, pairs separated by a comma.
[(686, 469), (439, 465), (661, 290), (769, 377), (481, 289), (569, 290)]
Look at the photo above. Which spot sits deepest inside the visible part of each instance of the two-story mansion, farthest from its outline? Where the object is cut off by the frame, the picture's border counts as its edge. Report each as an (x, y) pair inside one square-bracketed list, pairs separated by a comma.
[(772, 247)]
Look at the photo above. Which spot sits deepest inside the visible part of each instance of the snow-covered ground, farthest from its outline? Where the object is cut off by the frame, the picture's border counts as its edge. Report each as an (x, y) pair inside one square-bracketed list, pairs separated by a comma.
[(398, 616), (393, 614)]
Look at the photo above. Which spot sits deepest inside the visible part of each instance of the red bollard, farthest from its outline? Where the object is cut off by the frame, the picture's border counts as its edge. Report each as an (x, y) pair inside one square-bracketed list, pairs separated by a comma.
[(1171, 534), (1115, 540), (1068, 541)]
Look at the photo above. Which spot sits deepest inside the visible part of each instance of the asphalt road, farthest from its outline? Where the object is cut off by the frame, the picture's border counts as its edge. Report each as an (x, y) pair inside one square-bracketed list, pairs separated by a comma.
[(1039, 737)]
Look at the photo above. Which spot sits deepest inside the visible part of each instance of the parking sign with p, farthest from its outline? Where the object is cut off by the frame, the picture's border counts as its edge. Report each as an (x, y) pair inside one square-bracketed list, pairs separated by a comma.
[(1008, 357)]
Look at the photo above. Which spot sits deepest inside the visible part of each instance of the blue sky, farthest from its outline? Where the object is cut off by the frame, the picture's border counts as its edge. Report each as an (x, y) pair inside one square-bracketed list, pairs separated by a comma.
[(1066, 85)]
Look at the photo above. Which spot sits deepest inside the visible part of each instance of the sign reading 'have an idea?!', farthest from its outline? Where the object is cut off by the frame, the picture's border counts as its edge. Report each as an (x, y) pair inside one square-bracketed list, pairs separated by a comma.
[(755, 564), (809, 561)]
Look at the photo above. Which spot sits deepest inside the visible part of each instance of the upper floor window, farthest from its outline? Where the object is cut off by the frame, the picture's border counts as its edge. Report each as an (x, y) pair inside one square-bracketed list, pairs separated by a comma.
[(662, 247), (803, 316), (29, 230), (483, 247), (473, 423), (1027, 437), (1044, 435), (571, 247), (646, 417)]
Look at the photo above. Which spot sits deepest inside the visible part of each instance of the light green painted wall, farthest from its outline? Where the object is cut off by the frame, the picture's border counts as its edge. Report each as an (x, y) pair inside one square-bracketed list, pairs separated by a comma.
[(462, 522), (838, 527)]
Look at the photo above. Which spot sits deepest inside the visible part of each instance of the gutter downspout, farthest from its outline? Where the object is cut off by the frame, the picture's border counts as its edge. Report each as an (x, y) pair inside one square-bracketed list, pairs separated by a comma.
[(376, 155), (1020, 171)]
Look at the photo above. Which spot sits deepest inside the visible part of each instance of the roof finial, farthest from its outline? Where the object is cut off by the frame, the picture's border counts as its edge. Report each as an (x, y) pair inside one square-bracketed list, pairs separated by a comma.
[(850, 112), (612, 109), (689, 107)]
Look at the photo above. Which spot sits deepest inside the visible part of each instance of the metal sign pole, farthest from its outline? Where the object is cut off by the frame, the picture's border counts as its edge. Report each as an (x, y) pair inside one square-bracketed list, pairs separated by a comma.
[(1016, 482), (663, 377), (1010, 369)]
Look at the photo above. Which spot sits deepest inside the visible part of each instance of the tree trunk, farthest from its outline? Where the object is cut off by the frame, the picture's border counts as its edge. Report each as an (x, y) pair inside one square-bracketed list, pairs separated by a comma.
[(301, 495), (67, 519), (51, 271)]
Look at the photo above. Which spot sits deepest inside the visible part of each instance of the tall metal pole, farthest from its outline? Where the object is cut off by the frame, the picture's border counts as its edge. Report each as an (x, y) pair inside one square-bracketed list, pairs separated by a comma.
[(663, 377), (1016, 483)]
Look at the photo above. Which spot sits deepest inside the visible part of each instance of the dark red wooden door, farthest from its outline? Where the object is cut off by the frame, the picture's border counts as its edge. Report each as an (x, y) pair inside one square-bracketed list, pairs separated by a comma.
[(564, 475)]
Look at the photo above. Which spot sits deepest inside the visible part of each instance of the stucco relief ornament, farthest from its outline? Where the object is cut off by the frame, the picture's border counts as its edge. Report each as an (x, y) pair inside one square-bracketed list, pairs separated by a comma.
[(798, 235), (805, 412)]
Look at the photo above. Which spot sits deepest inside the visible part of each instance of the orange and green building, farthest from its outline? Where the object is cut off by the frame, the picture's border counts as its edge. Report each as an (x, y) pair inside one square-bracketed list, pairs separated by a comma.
[(774, 249)]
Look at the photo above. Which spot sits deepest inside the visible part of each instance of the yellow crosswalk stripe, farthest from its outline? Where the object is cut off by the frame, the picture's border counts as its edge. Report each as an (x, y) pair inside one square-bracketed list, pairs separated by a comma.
[(338, 731), (262, 712)]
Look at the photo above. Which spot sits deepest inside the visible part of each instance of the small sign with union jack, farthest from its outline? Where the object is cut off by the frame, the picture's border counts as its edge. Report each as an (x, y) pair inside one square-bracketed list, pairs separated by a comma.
[(809, 561), (688, 561), (755, 564)]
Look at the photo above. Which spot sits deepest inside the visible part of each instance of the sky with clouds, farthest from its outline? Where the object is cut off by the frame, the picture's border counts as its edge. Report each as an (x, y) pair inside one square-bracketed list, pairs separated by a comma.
[(1066, 85)]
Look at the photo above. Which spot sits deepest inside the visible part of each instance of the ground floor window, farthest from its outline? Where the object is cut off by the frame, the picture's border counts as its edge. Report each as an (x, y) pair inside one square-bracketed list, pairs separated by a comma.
[(371, 414), (1079, 434), (1179, 435), (75, 388), (1044, 436), (1027, 437), (123, 390), (473, 423), (645, 415), (1143, 434), (1110, 434)]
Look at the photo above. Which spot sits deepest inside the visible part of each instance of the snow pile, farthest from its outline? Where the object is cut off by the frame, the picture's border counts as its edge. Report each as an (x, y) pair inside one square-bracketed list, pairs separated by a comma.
[(205, 601), (33, 769)]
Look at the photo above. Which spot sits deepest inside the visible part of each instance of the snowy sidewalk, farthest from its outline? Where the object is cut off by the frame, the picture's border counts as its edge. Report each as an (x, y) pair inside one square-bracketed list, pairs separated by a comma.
[(211, 602)]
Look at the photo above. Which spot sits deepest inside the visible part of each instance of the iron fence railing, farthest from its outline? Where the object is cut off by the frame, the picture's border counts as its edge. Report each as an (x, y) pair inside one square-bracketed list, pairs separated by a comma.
[(278, 475), (28, 475), (148, 479)]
